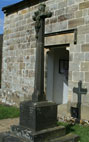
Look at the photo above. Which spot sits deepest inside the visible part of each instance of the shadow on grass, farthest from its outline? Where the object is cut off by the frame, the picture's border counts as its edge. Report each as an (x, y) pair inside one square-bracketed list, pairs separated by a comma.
[(69, 128)]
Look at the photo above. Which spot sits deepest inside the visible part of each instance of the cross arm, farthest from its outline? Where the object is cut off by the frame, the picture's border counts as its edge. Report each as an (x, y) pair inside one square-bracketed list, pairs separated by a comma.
[(76, 90), (46, 15), (84, 91)]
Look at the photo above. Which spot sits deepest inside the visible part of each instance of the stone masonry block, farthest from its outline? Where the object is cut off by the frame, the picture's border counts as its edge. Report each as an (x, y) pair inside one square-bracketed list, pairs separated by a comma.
[(78, 57), (72, 84), (53, 6), (70, 2), (85, 66), (87, 38), (60, 12), (86, 19), (75, 22), (84, 5), (63, 25), (75, 48), (24, 11), (78, 76), (86, 85), (81, 39), (62, 4), (87, 56), (87, 76), (78, 14), (55, 27), (84, 29), (53, 20), (85, 48), (72, 9), (70, 75), (74, 66), (65, 17)]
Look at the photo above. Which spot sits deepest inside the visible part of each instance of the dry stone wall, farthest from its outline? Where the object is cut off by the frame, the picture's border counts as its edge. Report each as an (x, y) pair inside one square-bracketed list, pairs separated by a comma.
[(19, 48)]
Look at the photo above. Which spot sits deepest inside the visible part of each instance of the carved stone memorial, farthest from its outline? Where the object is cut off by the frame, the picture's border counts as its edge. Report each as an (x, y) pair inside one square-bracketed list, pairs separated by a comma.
[(79, 91), (38, 118)]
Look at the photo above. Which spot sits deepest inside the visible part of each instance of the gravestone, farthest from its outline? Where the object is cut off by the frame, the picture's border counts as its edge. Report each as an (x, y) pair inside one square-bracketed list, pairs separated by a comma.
[(38, 118), (79, 91)]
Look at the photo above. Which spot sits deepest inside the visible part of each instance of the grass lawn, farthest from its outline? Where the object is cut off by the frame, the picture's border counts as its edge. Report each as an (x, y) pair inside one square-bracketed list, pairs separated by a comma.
[(80, 130), (8, 112)]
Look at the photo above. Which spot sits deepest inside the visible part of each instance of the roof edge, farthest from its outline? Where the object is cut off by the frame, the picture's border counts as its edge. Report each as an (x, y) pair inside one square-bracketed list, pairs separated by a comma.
[(20, 5)]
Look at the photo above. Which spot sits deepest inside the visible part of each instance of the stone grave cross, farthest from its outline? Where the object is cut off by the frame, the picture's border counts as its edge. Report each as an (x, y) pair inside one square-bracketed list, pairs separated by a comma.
[(79, 91), (39, 17)]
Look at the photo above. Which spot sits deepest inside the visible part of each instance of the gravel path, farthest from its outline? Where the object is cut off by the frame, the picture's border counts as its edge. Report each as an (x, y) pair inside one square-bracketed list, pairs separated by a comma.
[(6, 123)]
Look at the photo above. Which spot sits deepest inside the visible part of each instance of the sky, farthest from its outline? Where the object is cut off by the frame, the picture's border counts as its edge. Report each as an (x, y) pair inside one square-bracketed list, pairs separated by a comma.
[(4, 3)]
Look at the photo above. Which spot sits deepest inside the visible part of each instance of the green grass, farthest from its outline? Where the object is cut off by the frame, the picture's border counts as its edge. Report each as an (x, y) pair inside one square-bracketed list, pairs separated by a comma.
[(8, 112), (80, 130)]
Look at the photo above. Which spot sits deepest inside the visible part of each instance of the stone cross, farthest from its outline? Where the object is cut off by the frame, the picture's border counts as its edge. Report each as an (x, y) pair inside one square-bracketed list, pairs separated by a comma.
[(39, 17), (79, 91)]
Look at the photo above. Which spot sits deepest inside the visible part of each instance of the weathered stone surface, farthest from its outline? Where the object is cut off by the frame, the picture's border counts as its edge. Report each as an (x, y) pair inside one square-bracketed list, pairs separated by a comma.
[(75, 48), (9, 137), (84, 29), (78, 76), (43, 135), (53, 20), (74, 66), (33, 115), (87, 76), (60, 12), (84, 5), (75, 22), (85, 66), (81, 39), (70, 75), (78, 57), (62, 4), (85, 109), (72, 8), (86, 56), (70, 2), (69, 138), (1, 46), (59, 39), (65, 17)]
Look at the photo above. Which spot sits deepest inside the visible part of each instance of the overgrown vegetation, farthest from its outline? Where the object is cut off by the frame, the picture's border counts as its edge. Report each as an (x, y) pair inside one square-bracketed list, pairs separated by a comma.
[(80, 130), (8, 112)]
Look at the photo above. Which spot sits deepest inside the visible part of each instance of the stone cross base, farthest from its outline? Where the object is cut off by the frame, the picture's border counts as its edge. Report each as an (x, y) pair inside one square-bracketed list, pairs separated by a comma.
[(38, 116), (40, 136), (56, 134)]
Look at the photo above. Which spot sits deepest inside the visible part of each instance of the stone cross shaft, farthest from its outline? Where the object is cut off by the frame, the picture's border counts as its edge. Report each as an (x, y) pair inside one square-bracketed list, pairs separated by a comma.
[(79, 91), (39, 18)]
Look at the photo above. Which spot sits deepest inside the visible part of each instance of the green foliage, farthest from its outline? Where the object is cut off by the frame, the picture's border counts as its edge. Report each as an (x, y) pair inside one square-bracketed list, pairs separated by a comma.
[(80, 130), (8, 112)]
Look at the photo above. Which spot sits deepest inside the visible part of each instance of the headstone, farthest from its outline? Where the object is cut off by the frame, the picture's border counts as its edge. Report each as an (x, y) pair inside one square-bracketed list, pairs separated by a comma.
[(79, 91)]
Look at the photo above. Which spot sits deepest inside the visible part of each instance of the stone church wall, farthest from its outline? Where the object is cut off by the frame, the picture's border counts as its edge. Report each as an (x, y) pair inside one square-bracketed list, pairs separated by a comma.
[(19, 49), (1, 44)]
